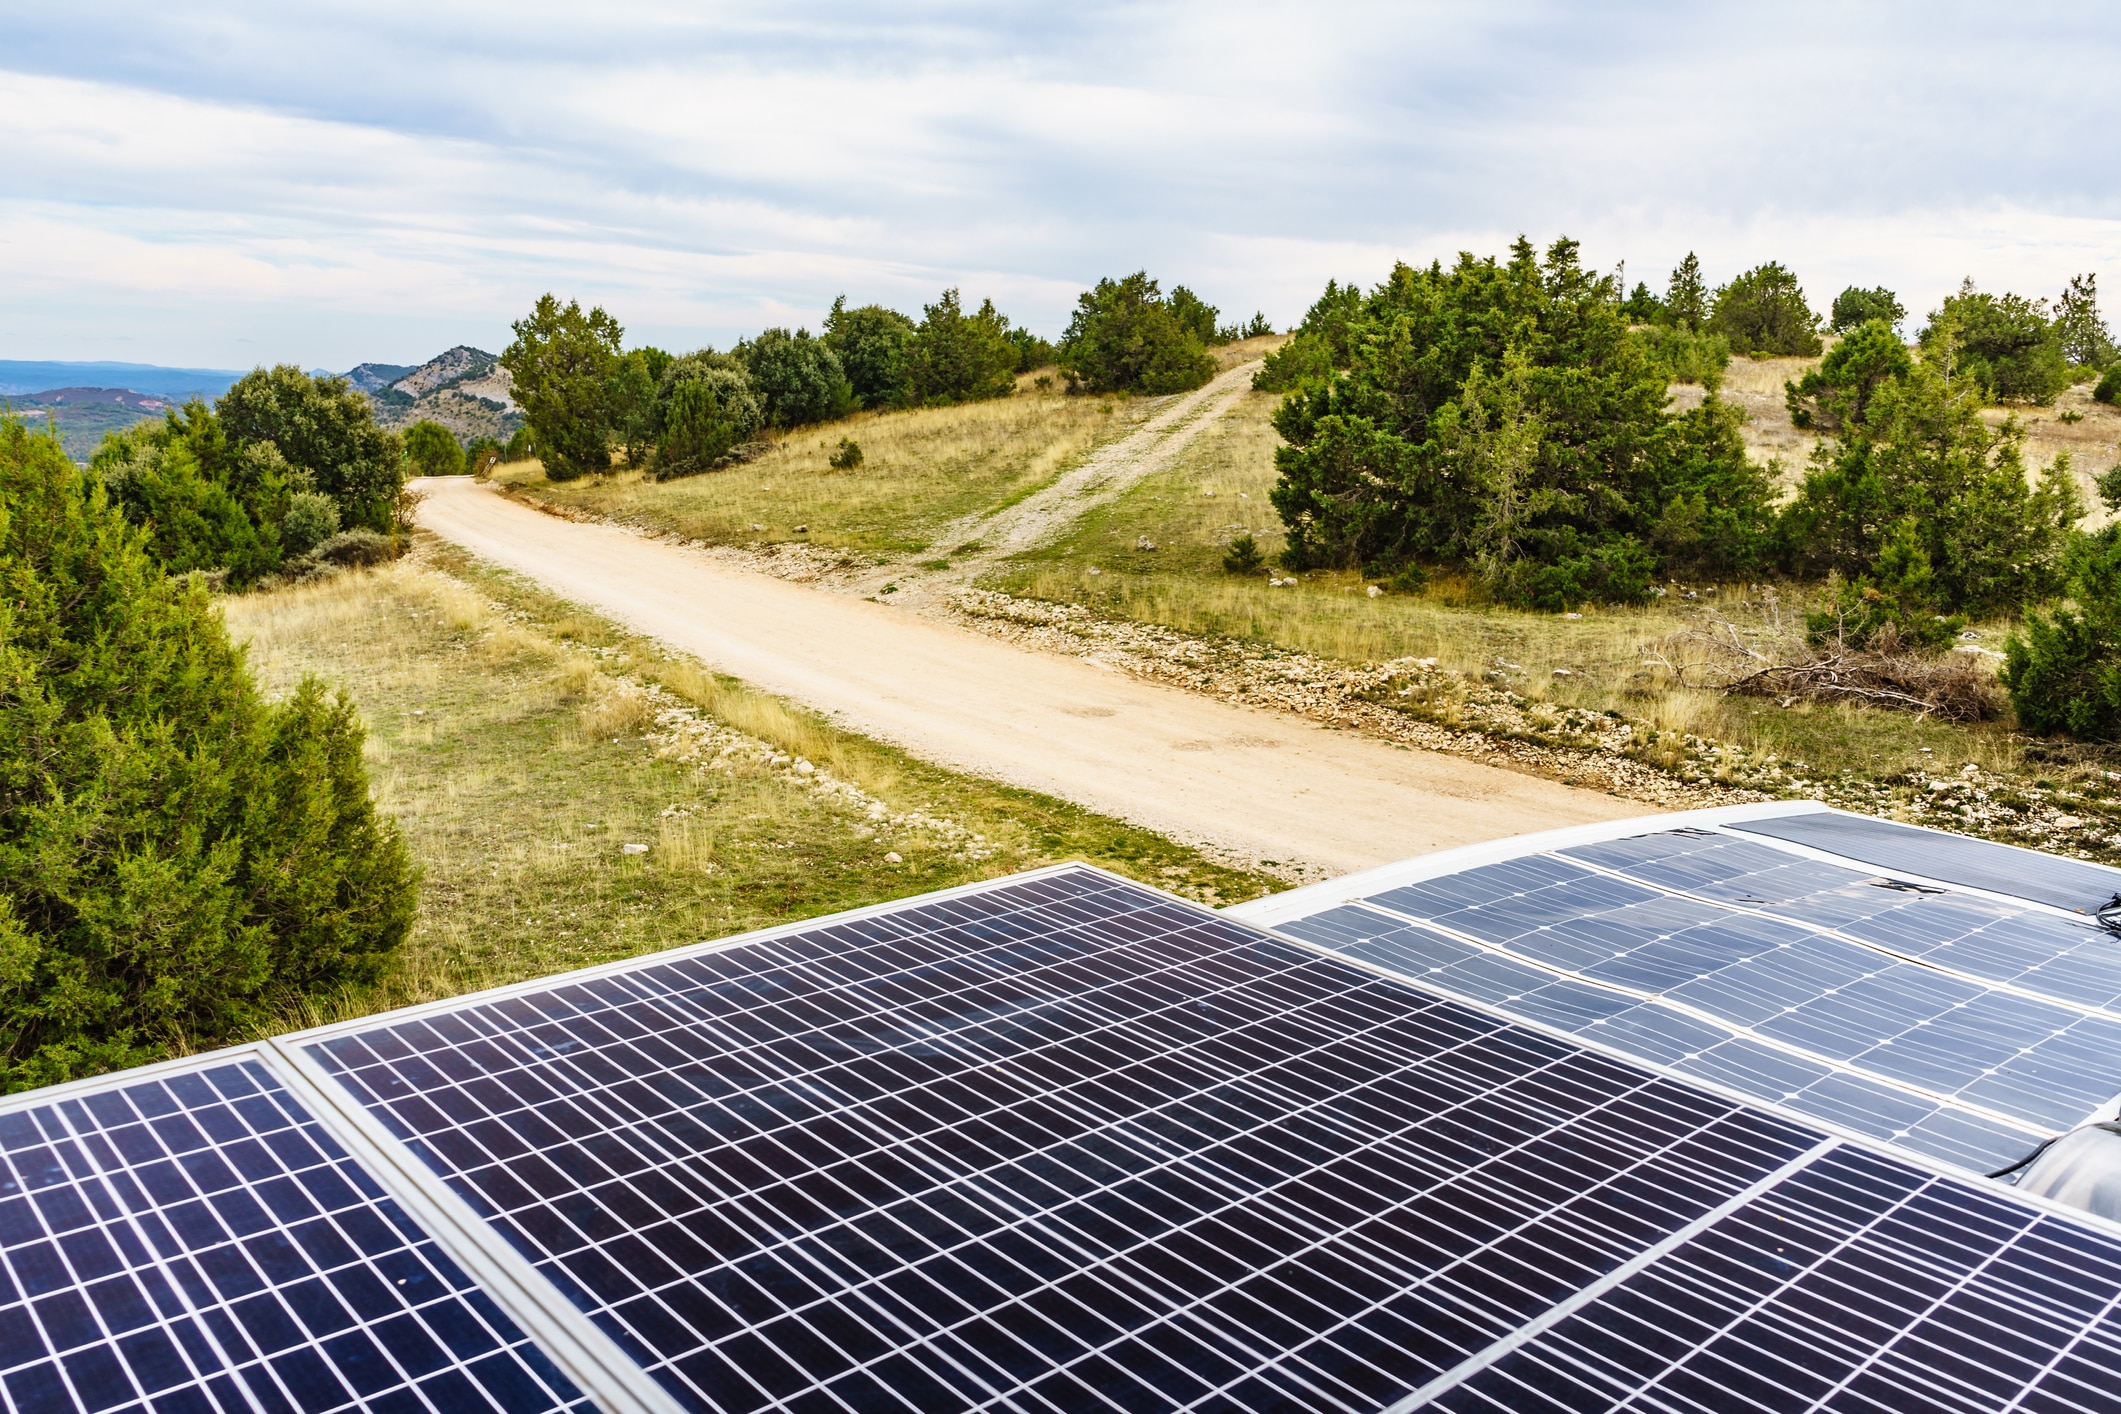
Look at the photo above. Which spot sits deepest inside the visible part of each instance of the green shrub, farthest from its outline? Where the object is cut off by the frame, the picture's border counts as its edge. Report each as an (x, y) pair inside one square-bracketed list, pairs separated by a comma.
[(846, 456), (705, 410), (955, 357), (1899, 592), (2108, 390), (1032, 352), (431, 450), (1840, 389), (312, 519), (1126, 338), (357, 549), (1322, 343), (325, 431), (566, 367), (178, 857), (1502, 416), (2064, 671), (1763, 311), (2003, 342), (1682, 357), (870, 343), (798, 379), (1915, 450), (1641, 306), (1244, 556), (1854, 308)]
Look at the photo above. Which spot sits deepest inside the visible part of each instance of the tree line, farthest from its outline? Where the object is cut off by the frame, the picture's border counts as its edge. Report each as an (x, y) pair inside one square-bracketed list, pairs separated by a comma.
[(589, 402), (1510, 417)]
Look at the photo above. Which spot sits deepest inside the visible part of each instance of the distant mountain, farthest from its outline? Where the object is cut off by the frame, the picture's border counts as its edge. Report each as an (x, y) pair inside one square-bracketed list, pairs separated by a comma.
[(18, 377), (373, 378), (82, 415), (465, 389)]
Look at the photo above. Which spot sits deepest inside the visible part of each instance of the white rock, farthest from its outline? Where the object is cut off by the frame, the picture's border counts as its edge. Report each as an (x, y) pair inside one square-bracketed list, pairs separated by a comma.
[(1563, 673), (1375, 591), (1572, 616), (892, 858), (633, 849), (1095, 570)]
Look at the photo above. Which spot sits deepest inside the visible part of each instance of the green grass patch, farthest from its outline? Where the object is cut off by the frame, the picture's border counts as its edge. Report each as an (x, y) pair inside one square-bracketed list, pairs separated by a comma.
[(510, 735)]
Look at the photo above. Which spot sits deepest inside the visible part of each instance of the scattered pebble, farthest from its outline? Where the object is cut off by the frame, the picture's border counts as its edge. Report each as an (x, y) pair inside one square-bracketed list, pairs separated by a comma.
[(891, 857), (633, 849), (1376, 590)]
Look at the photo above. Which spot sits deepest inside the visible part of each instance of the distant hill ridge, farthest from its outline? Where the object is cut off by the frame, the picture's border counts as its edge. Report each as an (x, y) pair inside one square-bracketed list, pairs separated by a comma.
[(19, 377), (463, 388)]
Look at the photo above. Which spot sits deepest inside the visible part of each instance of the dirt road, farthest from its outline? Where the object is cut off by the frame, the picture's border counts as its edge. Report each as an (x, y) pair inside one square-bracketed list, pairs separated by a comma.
[(1250, 785)]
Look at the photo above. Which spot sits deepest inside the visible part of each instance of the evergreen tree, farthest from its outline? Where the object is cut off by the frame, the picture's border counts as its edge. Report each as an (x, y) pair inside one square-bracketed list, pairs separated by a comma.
[(870, 343), (431, 450), (2086, 341), (324, 430), (1921, 454), (1764, 311), (798, 379), (178, 857), (2005, 342), (1686, 298), (1503, 415), (566, 368), (955, 357), (1854, 308), (705, 409), (1126, 338)]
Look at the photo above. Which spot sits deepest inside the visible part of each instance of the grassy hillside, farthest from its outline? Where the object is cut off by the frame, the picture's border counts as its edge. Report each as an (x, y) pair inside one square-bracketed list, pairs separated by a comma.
[(920, 470), (524, 745)]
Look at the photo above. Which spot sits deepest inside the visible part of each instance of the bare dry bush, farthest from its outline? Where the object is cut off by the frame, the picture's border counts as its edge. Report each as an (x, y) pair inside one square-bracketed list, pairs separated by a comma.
[(1886, 672)]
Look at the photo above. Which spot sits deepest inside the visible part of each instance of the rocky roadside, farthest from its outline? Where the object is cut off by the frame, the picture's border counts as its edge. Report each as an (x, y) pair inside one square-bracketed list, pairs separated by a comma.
[(2072, 809), (1419, 704)]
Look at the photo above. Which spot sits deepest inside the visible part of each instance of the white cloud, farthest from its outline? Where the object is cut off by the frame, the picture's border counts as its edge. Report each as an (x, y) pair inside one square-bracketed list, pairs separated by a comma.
[(248, 180)]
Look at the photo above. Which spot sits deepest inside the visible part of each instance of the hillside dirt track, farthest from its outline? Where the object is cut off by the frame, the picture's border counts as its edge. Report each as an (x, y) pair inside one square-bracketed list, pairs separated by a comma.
[(1246, 784)]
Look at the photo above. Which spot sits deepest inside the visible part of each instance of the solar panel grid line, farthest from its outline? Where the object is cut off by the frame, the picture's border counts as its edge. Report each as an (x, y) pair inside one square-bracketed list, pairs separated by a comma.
[(585, 1353), (2104, 1108), (1850, 1138), (1739, 1029), (1584, 1294), (1907, 1051), (1316, 954), (1850, 1324), (1868, 944), (1555, 1315), (251, 1209)]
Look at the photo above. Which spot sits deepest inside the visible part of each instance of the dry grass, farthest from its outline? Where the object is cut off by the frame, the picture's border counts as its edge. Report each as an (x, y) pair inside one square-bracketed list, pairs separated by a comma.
[(510, 736), (920, 469)]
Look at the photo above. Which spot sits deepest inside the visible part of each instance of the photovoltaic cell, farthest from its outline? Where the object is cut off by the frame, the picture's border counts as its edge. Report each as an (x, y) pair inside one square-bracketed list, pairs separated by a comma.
[(2021, 1060), (2051, 879), (1857, 1284), (1682, 1041), (1057, 1144), (1978, 937), (198, 1242)]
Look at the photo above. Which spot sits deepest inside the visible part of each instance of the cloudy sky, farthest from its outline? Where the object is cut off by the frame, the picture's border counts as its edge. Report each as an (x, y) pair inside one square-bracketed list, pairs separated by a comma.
[(222, 184)]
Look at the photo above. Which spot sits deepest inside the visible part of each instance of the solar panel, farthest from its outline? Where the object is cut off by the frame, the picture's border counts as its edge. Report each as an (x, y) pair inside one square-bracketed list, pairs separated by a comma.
[(1857, 1283), (197, 1241), (1052, 1145), (1960, 1026), (1064, 1143), (2052, 879)]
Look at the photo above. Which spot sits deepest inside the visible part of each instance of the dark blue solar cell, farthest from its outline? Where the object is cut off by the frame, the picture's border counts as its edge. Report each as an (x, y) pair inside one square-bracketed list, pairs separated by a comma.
[(1056, 1115), (1857, 1269), (102, 1299)]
